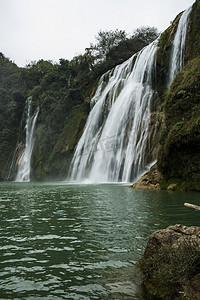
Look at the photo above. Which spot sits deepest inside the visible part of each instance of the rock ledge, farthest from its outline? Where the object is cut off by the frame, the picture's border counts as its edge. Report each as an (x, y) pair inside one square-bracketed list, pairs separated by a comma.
[(150, 180)]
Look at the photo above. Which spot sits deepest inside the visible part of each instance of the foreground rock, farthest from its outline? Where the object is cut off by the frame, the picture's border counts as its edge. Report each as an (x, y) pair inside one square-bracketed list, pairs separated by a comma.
[(171, 264), (150, 180)]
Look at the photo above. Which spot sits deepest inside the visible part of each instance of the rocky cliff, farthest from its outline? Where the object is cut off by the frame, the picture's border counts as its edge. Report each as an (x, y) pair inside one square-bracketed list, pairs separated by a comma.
[(63, 92), (178, 150)]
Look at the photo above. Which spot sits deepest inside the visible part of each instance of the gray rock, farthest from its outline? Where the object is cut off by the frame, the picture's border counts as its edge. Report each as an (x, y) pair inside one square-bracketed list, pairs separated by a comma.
[(173, 254)]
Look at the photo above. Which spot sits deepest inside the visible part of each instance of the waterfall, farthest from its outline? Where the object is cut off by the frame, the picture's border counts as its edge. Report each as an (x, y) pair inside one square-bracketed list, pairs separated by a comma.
[(114, 144), (18, 149), (178, 47), (24, 163)]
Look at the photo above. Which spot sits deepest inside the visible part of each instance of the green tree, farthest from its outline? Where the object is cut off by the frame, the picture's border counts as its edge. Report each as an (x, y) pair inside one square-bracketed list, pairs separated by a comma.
[(35, 71), (106, 40), (146, 33)]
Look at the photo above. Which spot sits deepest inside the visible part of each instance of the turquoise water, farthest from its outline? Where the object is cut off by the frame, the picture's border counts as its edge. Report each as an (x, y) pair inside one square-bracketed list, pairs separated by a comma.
[(62, 241)]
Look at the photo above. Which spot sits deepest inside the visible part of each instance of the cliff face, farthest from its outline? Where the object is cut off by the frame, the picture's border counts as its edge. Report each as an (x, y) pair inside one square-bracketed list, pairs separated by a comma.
[(12, 101), (179, 155), (178, 145), (179, 149), (61, 155), (63, 92)]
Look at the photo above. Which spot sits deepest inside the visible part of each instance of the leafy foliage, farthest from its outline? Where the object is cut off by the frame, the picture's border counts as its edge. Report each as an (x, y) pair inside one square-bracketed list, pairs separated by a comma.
[(12, 100), (179, 156), (58, 89), (106, 40), (114, 47), (146, 34)]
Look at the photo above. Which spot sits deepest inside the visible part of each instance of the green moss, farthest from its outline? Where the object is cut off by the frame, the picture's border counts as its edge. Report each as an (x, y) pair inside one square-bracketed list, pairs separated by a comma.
[(166, 269), (73, 129), (193, 37), (179, 155), (178, 184), (60, 158), (163, 57), (38, 165)]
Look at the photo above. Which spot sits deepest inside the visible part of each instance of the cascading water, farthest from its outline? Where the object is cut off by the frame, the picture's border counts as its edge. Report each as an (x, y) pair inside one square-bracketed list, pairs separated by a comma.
[(24, 163), (114, 144), (19, 149), (178, 47)]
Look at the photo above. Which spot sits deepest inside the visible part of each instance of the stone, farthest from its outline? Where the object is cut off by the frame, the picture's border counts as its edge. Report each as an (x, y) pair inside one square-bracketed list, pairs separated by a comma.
[(172, 187), (150, 180), (170, 236), (174, 250)]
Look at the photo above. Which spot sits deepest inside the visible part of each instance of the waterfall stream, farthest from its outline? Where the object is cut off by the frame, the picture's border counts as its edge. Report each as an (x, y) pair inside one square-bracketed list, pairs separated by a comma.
[(178, 47), (114, 144), (24, 163)]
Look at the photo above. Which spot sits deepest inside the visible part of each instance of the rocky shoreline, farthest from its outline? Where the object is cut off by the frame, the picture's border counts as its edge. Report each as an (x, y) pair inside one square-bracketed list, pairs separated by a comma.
[(154, 180), (150, 180)]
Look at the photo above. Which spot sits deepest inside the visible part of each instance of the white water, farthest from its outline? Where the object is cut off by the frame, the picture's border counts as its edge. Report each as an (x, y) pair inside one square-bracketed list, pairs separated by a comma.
[(114, 144), (14, 159), (24, 164), (178, 47)]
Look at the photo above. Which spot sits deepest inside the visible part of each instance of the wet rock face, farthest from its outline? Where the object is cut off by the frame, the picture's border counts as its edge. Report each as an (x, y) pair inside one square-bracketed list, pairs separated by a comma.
[(150, 180), (171, 263)]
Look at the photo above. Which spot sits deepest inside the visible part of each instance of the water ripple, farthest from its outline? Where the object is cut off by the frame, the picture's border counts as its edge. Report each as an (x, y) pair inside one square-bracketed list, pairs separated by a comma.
[(79, 241)]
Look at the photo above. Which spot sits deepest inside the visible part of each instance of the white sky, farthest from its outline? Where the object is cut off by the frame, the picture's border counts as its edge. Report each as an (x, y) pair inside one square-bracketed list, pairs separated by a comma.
[(52, 29)]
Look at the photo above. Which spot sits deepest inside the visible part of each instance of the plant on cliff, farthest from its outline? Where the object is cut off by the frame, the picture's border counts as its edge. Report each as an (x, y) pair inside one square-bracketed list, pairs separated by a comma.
[(65, 87), (109, 40), (59, 89), (12, 100), (179, 155), (114, 47), (106, 40)]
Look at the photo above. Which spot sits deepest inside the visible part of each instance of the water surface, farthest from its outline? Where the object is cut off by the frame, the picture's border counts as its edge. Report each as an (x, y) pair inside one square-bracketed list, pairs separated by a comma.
[(62, 241)]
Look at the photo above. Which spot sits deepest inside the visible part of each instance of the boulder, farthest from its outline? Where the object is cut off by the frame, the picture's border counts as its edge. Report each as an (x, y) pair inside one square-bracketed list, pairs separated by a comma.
[(150, 180), (171, 263)]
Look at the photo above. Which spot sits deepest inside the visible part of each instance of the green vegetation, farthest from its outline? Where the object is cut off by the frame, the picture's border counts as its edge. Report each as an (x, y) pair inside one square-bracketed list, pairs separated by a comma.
[(62, 153), (179, 155), (12, 100), (193, 37), (62, 91), (114, 47)]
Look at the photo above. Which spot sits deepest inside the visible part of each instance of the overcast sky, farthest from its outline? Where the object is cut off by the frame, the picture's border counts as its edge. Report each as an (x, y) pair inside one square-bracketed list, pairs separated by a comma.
[(52, 29)]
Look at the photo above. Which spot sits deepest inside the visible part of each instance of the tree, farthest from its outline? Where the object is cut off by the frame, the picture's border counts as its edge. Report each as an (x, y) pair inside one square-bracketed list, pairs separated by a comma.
[(35, 71), (146, 33), (106, 40)]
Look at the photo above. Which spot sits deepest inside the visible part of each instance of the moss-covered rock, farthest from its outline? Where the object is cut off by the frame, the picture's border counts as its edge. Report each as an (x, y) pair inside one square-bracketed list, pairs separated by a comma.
[(163, 57), (193, 37), (171, 264), (179, 155), (12, 101), (63, 92), (56, 167), (150, 180)]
